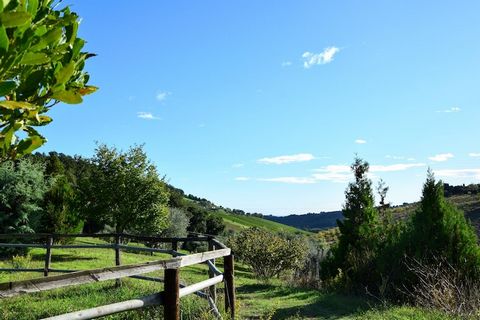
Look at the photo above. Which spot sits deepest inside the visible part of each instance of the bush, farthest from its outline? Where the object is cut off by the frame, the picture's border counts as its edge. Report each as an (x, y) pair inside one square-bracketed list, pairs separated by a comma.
[(269, 255), (441, 286)]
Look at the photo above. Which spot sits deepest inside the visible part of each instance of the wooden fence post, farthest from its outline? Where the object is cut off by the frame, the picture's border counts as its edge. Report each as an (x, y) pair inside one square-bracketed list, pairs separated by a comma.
[(211, 274), (171, 298), (118, 260), (174, 247), (228, 274), (48, 255)]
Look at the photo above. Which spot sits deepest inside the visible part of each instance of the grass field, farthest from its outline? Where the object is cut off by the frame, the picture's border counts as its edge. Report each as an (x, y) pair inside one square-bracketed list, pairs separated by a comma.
[(238, 222), (256, 300)]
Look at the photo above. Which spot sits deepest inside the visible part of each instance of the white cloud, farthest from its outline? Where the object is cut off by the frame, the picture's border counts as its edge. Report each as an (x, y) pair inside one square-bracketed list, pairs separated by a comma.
[(147, 115), (162, 95), (290, 180), (326, 56), (360, 141), (453, 109), (301, 157), (474, 154), (242, 178), (286, 63), (395, 167), (441, 157), (459, 173), (238, 165)]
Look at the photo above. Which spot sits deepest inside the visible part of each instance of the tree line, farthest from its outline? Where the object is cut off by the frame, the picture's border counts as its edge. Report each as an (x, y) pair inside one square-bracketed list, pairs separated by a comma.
[(115, 190)]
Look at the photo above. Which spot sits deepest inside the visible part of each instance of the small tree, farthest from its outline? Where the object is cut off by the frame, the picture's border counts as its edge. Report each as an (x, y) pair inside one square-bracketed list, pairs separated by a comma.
[(177, 223), (268, 254), (440, 230), (22, 186), (41, 64), (127, 192), (354, 254)]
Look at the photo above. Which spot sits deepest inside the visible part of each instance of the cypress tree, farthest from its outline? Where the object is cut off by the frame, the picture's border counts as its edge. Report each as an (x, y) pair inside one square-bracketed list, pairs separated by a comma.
[(355, 253)]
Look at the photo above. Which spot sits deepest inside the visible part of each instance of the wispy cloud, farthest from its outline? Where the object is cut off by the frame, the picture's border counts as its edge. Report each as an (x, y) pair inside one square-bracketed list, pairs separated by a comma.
[(326, 56), (242, 178), (451, 110), (286, 63), (395, 167), (301, 157), (340, 173), (290, 180), (441, 157), (474, 154), (147, 116), (238, 165), (162, 95), (459, 173), (360, 141)]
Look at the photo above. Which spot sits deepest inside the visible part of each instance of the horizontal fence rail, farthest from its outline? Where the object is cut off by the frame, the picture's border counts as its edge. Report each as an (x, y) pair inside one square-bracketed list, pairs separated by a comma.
[(174, 289)]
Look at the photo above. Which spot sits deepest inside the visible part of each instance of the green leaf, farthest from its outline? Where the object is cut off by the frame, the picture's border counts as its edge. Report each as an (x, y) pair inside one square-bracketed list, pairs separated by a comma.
[(8, 134), (68, 96), (53, 36), (29, 144), (65, 73), (34, 58), (6, 87), (87, 90), (32, 7), (14, 19), (13, 105), (3, 39)]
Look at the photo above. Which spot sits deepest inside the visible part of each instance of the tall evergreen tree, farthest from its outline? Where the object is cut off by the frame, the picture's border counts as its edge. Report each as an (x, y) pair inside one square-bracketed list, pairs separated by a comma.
[(439, 229), (355, 251)]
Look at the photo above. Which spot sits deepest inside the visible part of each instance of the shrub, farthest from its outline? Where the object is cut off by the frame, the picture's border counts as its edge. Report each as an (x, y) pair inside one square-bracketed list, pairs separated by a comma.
[(441, 286), (268, 254)]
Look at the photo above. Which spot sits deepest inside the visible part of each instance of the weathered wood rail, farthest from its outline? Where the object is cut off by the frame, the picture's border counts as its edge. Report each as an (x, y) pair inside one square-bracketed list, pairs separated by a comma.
[(173, 289)]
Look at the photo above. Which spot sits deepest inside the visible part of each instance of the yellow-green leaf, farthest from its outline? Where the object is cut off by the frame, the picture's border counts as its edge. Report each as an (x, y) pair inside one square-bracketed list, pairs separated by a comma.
[(3, 39), (14, 19), (87, 90), (65, 73), (34, 58), (12, 105), (29, 144), (68, 96)]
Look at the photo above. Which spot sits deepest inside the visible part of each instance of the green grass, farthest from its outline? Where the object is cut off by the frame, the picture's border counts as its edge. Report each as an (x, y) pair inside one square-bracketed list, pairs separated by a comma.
[(238, 222), (275, 300)]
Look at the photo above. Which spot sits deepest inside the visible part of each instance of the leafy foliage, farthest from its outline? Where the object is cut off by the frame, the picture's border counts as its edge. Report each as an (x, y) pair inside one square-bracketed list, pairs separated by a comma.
[(177, 223), (268, 254), (41, 64), (22, 186), (127, 192), (60, 211)]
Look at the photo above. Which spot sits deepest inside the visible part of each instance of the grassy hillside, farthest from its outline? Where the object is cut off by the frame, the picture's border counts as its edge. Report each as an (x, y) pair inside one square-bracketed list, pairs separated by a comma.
[(236, 222), (276, 300)]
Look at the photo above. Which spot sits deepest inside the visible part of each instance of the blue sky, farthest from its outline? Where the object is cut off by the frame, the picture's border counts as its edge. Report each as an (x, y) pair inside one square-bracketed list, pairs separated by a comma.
[(261, 105)]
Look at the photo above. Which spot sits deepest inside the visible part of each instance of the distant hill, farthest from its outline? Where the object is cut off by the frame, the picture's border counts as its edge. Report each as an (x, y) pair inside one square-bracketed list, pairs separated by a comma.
[(465, 197), (310, 221), (236, 222)]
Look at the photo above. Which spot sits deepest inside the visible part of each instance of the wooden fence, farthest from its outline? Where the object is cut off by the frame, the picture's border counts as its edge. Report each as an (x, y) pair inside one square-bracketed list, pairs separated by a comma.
[(173, 288)]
